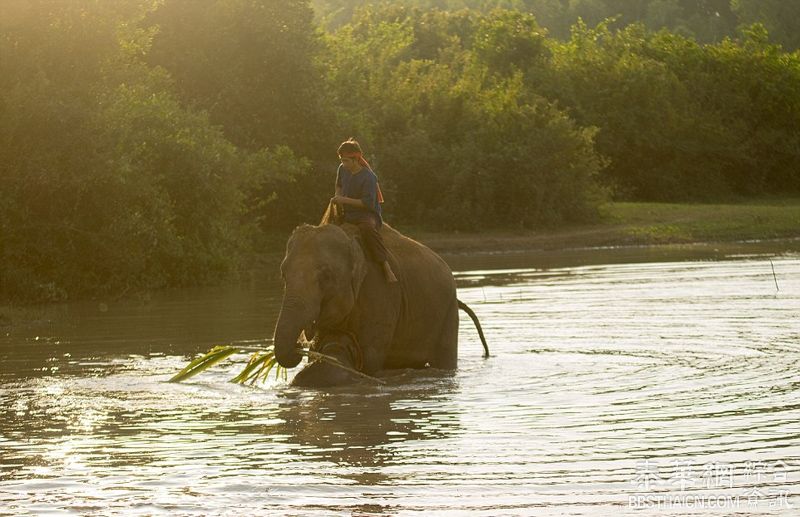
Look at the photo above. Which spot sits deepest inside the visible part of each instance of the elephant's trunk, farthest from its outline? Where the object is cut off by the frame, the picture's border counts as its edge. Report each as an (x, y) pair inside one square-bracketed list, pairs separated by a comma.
[(294, 317)]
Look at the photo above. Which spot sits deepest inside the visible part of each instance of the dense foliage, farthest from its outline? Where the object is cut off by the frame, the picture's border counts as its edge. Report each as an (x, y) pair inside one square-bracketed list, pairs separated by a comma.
[(147, 143), (463, 143), (109, 182), (681, 121), (702, 20)]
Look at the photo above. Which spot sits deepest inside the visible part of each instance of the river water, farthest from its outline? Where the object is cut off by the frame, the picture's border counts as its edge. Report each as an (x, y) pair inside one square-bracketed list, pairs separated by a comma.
[(618, 385)]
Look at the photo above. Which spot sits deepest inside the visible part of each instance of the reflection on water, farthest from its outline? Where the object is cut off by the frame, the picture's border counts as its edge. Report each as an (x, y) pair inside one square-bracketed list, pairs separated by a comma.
[(607, 383)]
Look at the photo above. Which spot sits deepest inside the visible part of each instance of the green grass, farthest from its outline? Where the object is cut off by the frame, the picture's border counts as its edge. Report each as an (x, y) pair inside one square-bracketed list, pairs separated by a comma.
[(625, 223), (653, 223)]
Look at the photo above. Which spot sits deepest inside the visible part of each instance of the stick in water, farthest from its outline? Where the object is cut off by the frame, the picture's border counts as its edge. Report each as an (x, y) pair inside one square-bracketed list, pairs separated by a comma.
[(335, 362), (773, 275)]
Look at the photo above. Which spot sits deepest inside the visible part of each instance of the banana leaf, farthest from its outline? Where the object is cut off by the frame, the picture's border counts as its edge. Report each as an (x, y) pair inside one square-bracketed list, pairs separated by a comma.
[(252, 364), (266, 367), (202, 363), (261, 363)]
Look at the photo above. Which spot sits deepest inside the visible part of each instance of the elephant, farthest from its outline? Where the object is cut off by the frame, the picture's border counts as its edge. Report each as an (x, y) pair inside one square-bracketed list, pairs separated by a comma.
[(335, 294)]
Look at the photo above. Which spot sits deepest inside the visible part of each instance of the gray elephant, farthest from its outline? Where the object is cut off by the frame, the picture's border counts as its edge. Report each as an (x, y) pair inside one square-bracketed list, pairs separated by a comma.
[(334, 293)]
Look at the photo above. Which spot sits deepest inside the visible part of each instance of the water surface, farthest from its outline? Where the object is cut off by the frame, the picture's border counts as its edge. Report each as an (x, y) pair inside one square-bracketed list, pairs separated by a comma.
[(612, 386)]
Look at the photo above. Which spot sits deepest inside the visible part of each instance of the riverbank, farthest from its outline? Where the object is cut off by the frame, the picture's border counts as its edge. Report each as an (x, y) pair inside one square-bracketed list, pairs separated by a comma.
[(637, 224), (667, 229)]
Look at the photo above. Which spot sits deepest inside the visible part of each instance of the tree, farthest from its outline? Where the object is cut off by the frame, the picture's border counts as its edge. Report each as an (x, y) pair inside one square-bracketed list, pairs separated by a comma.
[(109, 182), (461, 142), (679, 120), (249, 63), (780, 17)]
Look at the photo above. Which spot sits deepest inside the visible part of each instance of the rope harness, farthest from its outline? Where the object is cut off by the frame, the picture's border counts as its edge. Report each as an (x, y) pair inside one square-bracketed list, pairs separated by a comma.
[(324, 340)]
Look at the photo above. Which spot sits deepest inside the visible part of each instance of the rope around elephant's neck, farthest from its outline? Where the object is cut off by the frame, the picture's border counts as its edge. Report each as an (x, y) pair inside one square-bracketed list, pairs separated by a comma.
[(335, 362), (328, 337)]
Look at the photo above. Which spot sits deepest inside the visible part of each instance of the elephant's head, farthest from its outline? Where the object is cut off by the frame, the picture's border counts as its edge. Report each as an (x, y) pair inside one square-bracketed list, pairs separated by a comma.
[(322, 273)]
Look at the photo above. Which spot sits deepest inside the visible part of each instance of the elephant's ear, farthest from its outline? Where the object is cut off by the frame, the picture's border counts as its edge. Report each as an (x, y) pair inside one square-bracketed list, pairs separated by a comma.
[(359, 266)]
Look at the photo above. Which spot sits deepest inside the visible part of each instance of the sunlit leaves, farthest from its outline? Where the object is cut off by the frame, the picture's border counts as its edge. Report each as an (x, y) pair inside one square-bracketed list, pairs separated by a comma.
[(111, 183), (204, 362), (259, 366)]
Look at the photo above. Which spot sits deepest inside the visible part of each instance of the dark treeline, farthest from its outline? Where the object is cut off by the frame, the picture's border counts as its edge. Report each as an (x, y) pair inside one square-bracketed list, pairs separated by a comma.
[(149, 143), (706, 21)]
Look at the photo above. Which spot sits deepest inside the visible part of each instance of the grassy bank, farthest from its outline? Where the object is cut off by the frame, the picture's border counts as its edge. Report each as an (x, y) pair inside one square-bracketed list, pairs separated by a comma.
[(620, 224), (640, 224)]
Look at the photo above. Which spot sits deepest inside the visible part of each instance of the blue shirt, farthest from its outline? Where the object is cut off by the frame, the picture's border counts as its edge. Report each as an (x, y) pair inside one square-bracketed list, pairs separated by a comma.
[(362, 185)]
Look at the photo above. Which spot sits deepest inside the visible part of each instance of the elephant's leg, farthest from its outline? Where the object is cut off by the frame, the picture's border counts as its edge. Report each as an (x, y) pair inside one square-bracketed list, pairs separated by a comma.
[(446, 346), (376, 324), (374, 347)]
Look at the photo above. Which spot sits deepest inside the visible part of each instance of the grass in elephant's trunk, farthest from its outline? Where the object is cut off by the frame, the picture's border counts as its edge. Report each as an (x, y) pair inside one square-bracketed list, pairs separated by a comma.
[(262, 362)]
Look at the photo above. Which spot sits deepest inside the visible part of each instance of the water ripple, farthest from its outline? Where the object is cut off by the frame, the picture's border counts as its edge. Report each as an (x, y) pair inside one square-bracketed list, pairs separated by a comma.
[(607, 383)]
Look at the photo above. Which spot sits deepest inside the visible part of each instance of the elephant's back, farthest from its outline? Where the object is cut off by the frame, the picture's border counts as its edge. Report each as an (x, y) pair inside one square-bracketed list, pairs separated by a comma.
[(426, 277), (416, 260)]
